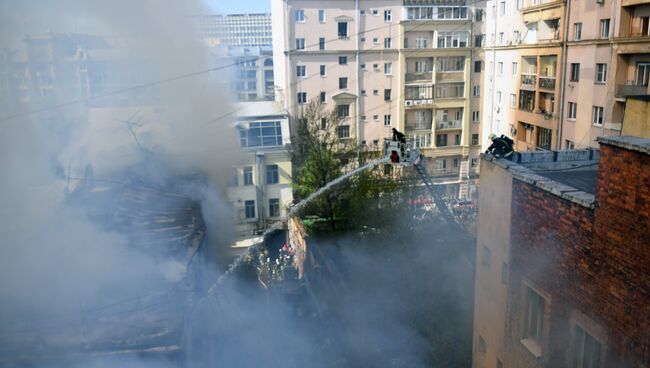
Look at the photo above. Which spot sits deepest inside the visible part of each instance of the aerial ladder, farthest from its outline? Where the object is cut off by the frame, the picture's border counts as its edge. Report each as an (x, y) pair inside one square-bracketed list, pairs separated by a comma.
[(401, 153)]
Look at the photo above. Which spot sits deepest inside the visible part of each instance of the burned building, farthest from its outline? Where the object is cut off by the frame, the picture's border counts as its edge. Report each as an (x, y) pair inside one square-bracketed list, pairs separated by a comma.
[(166, 227), (563, 259)]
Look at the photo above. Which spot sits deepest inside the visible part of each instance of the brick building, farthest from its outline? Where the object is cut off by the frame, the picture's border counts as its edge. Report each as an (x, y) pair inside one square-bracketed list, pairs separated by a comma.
[(563, 263)]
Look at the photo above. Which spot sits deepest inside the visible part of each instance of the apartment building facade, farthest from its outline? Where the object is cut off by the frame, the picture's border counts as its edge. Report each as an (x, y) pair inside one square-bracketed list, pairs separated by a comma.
[(559, 72), (260, 187), (235, 29), (385, 64)]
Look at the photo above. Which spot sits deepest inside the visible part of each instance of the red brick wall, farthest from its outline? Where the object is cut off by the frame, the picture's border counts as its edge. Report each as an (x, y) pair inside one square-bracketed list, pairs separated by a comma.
[(593, 261), (551, 247), (622, 233)]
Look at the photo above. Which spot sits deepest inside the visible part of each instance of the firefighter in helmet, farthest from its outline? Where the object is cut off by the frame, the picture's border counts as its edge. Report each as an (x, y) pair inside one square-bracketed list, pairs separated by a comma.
[(501, 147)]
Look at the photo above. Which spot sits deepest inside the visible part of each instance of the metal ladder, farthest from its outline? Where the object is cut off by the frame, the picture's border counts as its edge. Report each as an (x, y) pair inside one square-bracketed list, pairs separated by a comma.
[(435, 194)]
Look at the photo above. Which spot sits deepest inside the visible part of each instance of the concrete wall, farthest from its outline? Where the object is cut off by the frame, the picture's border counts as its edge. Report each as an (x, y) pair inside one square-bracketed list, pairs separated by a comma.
[(492, 254)]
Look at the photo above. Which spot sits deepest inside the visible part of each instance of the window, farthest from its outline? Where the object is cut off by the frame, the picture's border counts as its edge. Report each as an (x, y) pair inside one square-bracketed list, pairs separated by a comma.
[(504, 273), (363, 92), (375, 66), (455, 163), (375, 117), (321, 15), (387, 120), (423, 66), (362, 66), (515, 68), (577, 31), (513, 100), (302, 97), (388, 68), (518, 4), (387, 93), (248, 175), (300, 43), (343, 60), (568, 144), (321, 43), (500, 38), (597, 115), (516, 36), (375, 40), (457, 139), (375, 12), (544, 138), (323, 97), (573, 110), (500, 68), (261, 134), (478, 40), (533, 316), (475, 138), (604, 28), (476, 116), (406, 43), (452, 39), (575, 72), (300, 16), (476, 91), (322, 70), (343, 111), (362, 12), (343, 82), (474, 162), (441, 164), (343, 29), (421, 43), (301, 70), (323, 123), (423, 119), (388, 43), (478, 16), (375, 92), (343, 131), (272, 176), (249, 208), (274, 207), (601, 73), (502, 8), (498, 97), (477, 66), (645, 26), (642, 74), (388, 16), (586, 349), (441, 140), (451, 64)]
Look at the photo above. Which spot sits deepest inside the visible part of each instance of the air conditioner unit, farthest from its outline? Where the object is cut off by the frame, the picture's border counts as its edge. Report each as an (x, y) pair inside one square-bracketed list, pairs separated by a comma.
[(408, 103), (418, 102), (600, 1)]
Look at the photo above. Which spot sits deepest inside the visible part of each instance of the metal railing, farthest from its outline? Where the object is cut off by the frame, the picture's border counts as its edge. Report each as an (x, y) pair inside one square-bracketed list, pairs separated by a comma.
[(547, 82), (528, 80)]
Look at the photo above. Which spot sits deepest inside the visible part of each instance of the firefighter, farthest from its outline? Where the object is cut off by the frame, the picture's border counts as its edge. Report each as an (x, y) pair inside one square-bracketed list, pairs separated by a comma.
[(398, 136), (501, 147)]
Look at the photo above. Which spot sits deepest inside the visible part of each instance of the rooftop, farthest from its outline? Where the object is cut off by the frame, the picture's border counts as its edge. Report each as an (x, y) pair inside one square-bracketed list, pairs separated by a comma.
[(570, 174)]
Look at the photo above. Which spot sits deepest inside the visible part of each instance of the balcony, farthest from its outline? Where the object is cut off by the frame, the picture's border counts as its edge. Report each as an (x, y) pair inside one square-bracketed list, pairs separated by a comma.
[(546, 83), (628, 90), (418, 125), (419, 77), (418, 95), (453, 124), (528, 81), (449, 77)]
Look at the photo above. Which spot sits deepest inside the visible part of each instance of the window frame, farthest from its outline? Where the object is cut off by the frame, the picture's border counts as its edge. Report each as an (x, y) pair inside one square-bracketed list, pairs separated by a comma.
[(249, 209), (605, 25), (601, 75), (272, 173)]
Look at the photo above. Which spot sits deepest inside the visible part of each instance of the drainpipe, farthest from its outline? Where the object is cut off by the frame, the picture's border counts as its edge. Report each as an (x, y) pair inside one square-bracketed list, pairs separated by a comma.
[(259, 188), (494, 63), (358, 107), (563, 75)]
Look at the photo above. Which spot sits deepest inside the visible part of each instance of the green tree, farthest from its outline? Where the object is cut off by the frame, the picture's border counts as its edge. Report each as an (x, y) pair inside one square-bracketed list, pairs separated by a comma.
[(320, 154)]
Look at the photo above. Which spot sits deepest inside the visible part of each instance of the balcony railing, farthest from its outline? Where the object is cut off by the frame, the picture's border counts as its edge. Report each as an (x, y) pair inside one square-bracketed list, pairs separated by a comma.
[(453, 124), (547, 82), (449, 76), (418, 125), (419, 77), (625, 90), (528, 80)]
